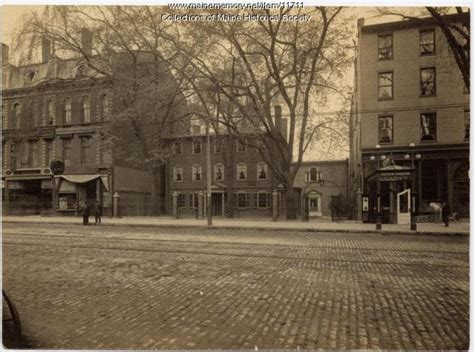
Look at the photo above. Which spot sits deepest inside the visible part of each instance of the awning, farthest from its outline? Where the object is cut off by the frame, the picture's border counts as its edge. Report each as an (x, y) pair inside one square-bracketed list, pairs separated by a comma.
[(80, 178)]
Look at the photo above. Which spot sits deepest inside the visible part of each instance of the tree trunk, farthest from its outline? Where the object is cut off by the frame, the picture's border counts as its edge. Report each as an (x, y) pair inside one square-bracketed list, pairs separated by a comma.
[(290, 199)]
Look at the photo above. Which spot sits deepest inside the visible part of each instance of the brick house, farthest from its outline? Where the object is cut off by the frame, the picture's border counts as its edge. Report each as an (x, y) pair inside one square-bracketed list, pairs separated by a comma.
[(60, 110), (409, 122)]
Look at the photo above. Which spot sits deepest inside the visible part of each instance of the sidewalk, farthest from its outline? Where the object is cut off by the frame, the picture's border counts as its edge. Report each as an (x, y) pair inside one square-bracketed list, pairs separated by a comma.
[(455, 228)]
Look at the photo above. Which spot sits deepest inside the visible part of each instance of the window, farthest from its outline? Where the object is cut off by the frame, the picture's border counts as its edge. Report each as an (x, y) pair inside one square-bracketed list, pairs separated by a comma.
[(467, 123), (194, 200), (49, 112), (85, 150), (177, 147), (241, 146), (219, 172), (4, 156), (197, 145), (428, 126), (178, 174), (263, 199), (16, 116), (262, 171), (242, 200), (181, 200), (385, 85), (86, 109), (67, 151), (81, 71), (385, 129), (197, 172), (312, 174), (427, 42), (67, 111), (241, 171), (5, 124), (427, 82), (13, 156), (32, 153), (48, 151), (217, 146), (104, 108), (385, 45)]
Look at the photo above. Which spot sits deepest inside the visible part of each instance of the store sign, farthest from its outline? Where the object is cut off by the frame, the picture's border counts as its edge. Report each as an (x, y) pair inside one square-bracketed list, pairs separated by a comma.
[(15, 185), (57, 167), (46, 184), (394, 176)]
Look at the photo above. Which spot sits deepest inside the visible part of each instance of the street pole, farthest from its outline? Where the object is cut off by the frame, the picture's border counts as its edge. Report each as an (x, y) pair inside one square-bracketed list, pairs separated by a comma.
[(208, 161)]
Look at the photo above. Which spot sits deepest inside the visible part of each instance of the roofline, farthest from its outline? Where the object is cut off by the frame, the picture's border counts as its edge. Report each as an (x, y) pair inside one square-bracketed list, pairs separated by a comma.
[(410, 23), (336, 161)]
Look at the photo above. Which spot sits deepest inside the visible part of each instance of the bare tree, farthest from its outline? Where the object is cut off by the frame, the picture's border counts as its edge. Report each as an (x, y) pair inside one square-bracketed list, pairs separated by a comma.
[(291, 63), (149, 99)]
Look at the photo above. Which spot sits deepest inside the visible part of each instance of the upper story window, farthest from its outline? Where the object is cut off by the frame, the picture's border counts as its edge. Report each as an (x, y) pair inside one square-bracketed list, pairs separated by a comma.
[(262, 171), (178, 174), (85, 150), (67, 151), (32, 153), (312, 175), (467, 123), (197, 146), (104, 107), (385, 129), (67, 111), (241, 172), (30, 75), (81, 71), (428, 126), (177, 147), (86, 109), (427, 42), (16, 115), (241, 146), (385, 90), (385, 47), (50, 112), (217, 146), (197, 172), (428, 82), (219, 172), (4, 117)]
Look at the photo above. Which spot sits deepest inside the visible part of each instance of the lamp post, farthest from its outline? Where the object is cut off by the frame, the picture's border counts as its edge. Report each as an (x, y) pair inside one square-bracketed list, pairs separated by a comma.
[(412, 156), (379, 158)]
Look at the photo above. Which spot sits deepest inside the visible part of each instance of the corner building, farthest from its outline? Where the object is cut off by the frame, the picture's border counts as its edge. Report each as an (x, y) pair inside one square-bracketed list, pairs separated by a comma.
[(411, 112)]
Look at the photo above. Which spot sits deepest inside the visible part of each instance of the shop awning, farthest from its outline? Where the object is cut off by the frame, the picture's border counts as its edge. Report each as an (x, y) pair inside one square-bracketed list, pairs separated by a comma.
[(80, 178)]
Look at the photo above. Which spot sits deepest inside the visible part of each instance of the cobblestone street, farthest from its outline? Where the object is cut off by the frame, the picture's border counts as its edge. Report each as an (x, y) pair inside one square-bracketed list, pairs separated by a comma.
[(151, 288)]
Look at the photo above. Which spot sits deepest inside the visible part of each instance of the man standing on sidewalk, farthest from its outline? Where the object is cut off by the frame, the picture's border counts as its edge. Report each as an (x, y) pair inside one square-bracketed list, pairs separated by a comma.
[(85, 214), (445, 214), (98, 213)]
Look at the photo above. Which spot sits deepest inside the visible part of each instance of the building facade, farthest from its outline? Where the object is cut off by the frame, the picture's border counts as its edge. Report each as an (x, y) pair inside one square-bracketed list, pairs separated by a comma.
[(60, 110), (410, 122)]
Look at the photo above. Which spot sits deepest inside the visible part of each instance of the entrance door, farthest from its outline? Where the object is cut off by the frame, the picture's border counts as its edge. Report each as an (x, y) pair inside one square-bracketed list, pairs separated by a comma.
[(403, 207), (314, 205), (217, 204)]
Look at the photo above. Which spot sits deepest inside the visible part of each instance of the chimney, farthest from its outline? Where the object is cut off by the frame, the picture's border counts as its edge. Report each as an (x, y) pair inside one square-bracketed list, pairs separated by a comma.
[(86, 41), (4, 55), (45, 49)]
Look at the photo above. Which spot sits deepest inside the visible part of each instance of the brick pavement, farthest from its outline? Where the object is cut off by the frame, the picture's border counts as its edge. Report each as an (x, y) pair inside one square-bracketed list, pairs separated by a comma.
[(148, 288)]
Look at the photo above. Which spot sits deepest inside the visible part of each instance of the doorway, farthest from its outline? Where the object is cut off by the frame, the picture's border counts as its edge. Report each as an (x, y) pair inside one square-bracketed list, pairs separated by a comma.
[(217, 204)]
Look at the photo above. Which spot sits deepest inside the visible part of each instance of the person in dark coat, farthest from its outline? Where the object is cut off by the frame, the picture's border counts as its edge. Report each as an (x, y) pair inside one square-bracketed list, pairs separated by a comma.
[(445, 214), (98, 213), (85, 214)]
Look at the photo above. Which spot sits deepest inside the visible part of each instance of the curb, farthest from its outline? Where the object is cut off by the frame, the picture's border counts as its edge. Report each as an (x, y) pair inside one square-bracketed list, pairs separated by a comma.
[(254, 228)]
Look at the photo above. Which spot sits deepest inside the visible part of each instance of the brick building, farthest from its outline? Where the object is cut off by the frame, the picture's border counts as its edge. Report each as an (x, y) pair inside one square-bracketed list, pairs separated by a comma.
[(61, 110), (409, 122)]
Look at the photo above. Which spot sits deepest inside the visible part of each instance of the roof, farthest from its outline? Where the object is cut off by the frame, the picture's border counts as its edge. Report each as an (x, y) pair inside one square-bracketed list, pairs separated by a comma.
[(411, 23)]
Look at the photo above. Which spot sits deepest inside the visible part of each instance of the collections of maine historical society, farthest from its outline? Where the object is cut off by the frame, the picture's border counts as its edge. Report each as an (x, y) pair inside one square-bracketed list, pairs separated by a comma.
[(234, 17)]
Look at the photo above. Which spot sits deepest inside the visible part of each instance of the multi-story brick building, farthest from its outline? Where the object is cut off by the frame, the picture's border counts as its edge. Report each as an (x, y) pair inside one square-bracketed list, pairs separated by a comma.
[(61, 110), (410, 119)]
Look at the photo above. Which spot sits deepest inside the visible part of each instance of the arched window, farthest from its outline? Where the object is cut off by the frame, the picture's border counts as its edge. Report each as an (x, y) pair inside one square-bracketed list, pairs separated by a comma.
[(86, 109), (104, 107), (16, 115), (67, 111), (50, 112), (313, 175)]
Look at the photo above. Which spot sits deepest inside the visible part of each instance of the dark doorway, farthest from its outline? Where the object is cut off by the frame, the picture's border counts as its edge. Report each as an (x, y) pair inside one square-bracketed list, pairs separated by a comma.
[(217, 204)]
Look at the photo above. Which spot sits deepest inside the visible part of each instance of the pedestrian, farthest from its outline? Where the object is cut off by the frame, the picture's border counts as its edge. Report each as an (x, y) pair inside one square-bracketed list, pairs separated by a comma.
[(98, 213), (445, 214), (85, 214)]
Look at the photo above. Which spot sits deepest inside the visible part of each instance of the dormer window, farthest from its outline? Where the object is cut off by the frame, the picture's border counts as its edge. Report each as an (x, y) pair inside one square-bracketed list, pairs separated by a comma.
[(81, 71), (30, 75), (313, 175)]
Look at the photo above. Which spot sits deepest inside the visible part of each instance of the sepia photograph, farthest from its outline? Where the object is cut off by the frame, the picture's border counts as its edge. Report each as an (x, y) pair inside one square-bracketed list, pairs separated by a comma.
[(252, 175)]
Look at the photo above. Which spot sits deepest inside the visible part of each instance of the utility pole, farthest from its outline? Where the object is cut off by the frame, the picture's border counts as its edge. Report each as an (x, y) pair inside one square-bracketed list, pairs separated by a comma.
[(209, 173)]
